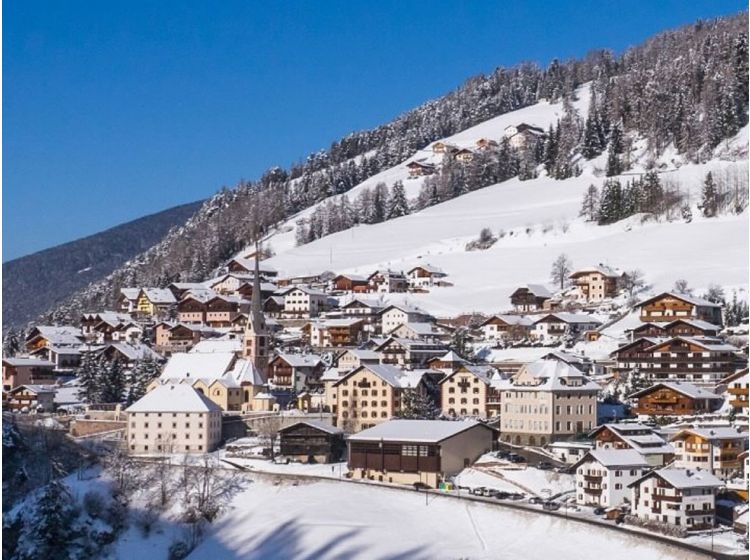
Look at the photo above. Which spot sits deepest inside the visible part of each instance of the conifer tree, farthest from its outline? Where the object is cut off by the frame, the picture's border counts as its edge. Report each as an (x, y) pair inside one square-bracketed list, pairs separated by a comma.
[(590, 204), (88, 375), (709, 197), (611, 203), (397, 203), (112, 383)]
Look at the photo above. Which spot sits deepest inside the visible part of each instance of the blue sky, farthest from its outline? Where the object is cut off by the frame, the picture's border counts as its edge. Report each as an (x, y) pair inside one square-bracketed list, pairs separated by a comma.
[(116, 110)]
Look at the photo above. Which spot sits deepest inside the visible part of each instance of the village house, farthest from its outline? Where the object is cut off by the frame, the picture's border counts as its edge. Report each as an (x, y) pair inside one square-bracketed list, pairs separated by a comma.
[(464, 155), (355, 357), (127, 300), (429, 332), (409, 353), (334, 333), (522, 136), (486, 143), (638, 437), (396, 315), (179, 289), (424, 276), (349, 283), (669, 306), (569, 452), (737, 387), (59, 345), (531, 297), (170, 338), (27, 371), (704, 361), (506, 327), (556, 326), (126, 353), (714, 449), (370, 394), (603, 475), (100, 326), (221, 310), (302, 301), (409, 451), (443, 147), (681, 497), (173, 418), (418, 169), (295, 372), (387, 282), (546, 401), (595, 284), (312, 441), (31, 398), (678, 327), (675, 398), (273, 306), (447, 363), (471, 391), (155, 302), (191, 309), (241, 264)]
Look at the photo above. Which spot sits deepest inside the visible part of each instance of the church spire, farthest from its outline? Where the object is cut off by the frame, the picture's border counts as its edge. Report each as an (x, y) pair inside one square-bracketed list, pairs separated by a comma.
[(256, 343)]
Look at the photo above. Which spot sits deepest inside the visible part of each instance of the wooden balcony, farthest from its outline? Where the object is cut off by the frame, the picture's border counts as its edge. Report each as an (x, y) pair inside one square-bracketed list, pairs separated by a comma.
[(695, 512)]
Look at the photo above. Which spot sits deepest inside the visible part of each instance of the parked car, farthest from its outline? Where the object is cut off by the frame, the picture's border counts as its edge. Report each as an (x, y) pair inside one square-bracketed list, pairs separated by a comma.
[(515, 458), (420, 486), (516, 496), (490, 492), (599, 511), (502, 454), (502, 495), (550, 506), (478, 491), (545, 466), (536, 500)]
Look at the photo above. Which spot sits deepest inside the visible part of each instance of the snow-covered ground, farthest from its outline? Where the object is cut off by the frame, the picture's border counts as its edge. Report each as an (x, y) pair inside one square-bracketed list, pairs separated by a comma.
[(335, 520)]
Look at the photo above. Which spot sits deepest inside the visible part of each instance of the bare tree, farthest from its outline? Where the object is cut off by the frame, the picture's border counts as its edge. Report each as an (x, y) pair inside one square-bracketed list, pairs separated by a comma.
[(208, 488), (268, 429), (632, 282), (681, 287), (126, 474), (561, 269)]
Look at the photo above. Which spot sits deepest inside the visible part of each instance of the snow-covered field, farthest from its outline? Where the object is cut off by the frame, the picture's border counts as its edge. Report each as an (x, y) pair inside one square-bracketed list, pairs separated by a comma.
[(335, 520), (537, 220)]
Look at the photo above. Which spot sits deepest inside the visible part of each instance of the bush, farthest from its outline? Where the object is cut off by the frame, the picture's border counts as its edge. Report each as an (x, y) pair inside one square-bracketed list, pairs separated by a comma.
[(178, 550), (93, 504)]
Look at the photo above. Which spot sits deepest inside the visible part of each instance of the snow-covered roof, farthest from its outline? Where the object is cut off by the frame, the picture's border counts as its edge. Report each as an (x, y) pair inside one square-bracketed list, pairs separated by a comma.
[(59, 336), (405, 308), (363, 354), (450, 357), (687, 389), (420, 329), (34, 388), (199, 294), (305, 289), (300, 360), (520, 320), (685, 478), (328, 428), (719, 432), (220, 346), (427, 431), (706, 342), (538, 290), (684, 297), (355, 277), (566, 317), (618, 457), (601, 269), (28, 362), (195, 365), (130, 293), (174, 397), (159, 295), (134, 351), (552, 375), (434, 270)]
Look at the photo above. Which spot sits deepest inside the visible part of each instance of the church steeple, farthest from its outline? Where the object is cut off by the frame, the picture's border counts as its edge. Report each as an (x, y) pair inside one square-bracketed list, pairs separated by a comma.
[(256, 344)]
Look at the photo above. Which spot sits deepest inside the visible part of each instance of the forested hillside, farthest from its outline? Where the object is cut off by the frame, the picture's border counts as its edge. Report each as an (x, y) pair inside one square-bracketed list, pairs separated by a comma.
[(683, 91), (36, 282)]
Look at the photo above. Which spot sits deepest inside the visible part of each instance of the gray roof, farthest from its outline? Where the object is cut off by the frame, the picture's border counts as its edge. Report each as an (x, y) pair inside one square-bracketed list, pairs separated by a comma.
[(428, 431), (174, 397), (688, 478), (719, 432), (28, 362), (618, 457), (328, 428), (687, 389)]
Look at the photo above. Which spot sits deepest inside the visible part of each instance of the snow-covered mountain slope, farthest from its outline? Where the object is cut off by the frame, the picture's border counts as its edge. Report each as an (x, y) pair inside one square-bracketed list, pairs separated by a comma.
[(536, 221)]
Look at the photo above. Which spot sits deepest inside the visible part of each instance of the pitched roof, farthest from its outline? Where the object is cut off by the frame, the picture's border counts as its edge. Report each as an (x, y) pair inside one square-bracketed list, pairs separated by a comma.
[(719, 432), (684, 478), (195, 365), (31, 362), (538, 290), (601, 269), (618, 457), (428, 268), (159, 295), (573, 318), (553, 375), (520, 320), (428, 431), (174, 397), (300, 360), (684, 297), (315, 424), (687, 389), (130, 293)]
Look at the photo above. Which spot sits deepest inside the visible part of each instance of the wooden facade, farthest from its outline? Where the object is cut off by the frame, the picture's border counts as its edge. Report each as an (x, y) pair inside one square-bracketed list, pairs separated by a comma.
[(663, 400), (667, 307), (309, 443)]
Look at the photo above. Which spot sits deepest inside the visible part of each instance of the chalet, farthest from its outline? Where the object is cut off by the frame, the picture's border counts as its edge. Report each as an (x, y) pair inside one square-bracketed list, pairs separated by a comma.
[(638, 437), (240, 264), (295, 372), (127, 332), (471, 391), (27, 371), (679, 327), (523, 135), (387, 282), (349, 283), (43, 336), (715, 449), (364, 309), (669, 398), (595, 284), (173, 418), (409, 451), (245, 290), (273, 306), (396, 315), (569, 452), (36, 398), (507, 327), (355, 357), (191, 309), (681, 497), (328, 333), (447, 363), (409, 353), (556, 326), (737, 387), (443, 147), (65, 358), (603, 475), (222, 310), (302, 301), (312, 441), (154, 301), (486, 143), (424, 276), (127, 300), (179, 337), (100, 326), (704, 361), (531, 297), (419, 331), (579, 361), (669, 306), (464, 155), (127, 354), (417, 169), (179, 289), (547, 401), (372, 393)]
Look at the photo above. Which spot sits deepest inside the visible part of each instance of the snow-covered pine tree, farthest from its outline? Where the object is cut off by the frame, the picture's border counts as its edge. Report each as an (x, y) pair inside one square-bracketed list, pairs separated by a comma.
[(709, 197), (614, 149), (47, 533), (139, 377), (397, 204), (88, 375), (610, 202), (590, 204), (112, 383)]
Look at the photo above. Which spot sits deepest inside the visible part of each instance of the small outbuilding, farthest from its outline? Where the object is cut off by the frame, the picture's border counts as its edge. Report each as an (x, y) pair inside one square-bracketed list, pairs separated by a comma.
[(312, 441)]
